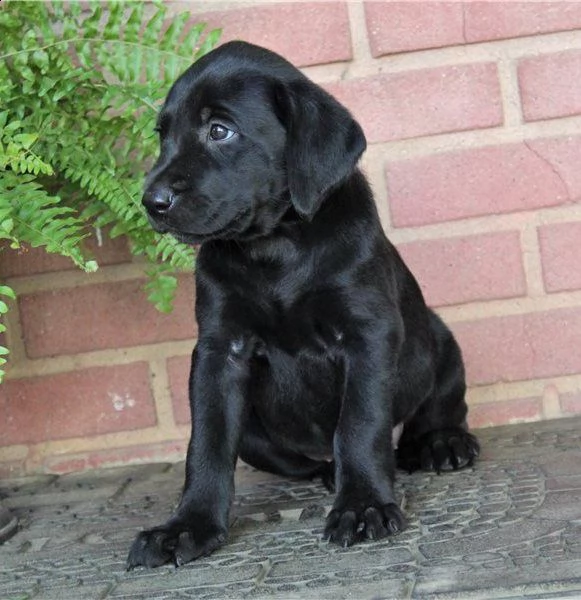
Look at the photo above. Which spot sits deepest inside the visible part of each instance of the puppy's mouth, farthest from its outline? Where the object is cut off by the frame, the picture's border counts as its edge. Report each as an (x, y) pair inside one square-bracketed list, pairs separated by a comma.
[(232, 230)]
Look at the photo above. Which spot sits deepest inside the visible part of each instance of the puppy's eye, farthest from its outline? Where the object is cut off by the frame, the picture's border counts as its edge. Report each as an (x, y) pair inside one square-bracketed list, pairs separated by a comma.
[(219, 133)]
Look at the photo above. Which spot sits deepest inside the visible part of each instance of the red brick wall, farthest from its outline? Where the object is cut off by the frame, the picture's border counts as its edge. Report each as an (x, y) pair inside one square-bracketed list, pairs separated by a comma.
[(473, 114)]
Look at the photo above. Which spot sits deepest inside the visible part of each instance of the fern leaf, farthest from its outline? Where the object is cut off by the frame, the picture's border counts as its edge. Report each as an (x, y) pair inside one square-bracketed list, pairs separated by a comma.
[(170, 38), (192, 37), (134, 22), (91, 25), (9, 293), (152, 30), (112, 26), (161, 288)]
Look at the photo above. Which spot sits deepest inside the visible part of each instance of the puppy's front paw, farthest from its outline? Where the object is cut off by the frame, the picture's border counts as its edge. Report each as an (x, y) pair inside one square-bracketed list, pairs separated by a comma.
[(440, 450), (347, 526), (177, 543)]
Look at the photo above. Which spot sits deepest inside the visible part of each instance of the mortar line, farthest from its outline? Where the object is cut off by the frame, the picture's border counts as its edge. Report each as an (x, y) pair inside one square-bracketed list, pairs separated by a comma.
[(161, 391), (531, 255), (509, 92)]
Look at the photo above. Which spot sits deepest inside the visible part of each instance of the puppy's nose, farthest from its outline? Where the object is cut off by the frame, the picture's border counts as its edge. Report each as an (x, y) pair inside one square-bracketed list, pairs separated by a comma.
[(158, 199)]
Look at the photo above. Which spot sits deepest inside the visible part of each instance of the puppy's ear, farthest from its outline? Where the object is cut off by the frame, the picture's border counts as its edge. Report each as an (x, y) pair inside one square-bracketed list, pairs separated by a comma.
[(324, 143)]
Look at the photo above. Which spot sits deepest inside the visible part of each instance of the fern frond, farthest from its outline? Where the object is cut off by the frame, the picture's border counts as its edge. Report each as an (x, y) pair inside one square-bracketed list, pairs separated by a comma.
[(80, 86), (9, 293), (29, 214)]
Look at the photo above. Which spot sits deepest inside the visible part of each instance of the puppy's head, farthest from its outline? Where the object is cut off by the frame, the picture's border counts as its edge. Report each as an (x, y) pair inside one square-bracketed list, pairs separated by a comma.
[(245, 138)]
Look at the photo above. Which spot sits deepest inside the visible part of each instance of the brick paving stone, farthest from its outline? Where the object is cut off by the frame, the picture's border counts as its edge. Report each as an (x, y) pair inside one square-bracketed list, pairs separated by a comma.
[(508, 527)]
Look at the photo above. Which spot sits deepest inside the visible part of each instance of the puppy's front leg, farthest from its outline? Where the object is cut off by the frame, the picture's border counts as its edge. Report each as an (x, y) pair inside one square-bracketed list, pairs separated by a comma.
[(217, 388), (365, 505)]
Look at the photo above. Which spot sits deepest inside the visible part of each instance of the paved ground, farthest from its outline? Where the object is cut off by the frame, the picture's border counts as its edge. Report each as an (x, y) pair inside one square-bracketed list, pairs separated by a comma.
[(508, 528)]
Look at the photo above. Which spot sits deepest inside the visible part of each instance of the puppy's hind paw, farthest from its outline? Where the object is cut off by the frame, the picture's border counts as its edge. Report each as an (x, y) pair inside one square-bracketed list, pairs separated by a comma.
[(440, 450)]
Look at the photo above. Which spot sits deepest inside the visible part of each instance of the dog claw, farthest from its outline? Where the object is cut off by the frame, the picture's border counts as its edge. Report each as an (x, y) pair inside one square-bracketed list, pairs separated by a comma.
[(373, 523)]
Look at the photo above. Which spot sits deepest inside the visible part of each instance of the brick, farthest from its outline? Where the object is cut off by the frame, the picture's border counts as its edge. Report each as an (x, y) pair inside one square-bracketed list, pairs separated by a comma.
[(561, 256), (178, 369), (423, 102), (571, 403), (405, 26), (484, 181), (501, 20), (521, 347), (548, 85), (32, 261), (519, 410), (172, 451), (80, 403), (465, 269), (304, 33), (101, 316)]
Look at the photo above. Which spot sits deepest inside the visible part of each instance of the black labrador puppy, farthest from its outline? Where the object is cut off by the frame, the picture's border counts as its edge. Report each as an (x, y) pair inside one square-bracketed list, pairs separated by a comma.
[(314, 339)]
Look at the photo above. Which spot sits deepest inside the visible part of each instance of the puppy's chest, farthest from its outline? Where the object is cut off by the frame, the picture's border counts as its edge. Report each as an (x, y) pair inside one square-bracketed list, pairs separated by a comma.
[(297, 375), (296, 392)]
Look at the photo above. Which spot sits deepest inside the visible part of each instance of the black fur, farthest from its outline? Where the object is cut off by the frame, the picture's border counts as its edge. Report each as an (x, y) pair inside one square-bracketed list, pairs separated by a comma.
[(314, 338)]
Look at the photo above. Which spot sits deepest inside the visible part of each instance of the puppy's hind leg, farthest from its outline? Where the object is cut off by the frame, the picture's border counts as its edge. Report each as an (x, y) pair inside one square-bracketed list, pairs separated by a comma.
[(258, 450), (436, 438)]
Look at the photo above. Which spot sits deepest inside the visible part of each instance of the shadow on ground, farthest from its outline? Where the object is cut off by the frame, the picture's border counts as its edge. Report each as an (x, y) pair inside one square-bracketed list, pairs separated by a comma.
[(508, 528)]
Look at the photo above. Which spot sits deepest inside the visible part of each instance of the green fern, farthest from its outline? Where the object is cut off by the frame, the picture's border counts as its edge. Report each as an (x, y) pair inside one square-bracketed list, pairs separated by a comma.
[(80, 85)]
